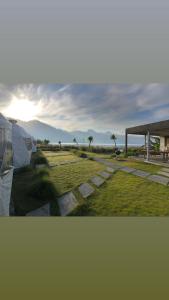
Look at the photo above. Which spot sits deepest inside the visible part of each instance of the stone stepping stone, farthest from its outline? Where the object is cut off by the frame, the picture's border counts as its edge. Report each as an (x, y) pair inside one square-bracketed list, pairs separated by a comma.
[(105, 174), (110, 170), (43, 211), (127, 169), (86, 190), (158, 179), (99, 159), (112, 165), (97, 180), (165, 170), (141, 173), (67, 203), (163, 173)]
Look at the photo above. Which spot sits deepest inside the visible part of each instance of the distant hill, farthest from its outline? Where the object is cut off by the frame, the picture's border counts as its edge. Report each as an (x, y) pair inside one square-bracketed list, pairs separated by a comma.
[(43, 131)]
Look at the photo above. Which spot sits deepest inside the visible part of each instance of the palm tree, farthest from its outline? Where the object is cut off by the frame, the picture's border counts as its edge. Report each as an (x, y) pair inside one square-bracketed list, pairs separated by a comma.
[(114, 138), (60, 144), (90, 139), (75, 141)]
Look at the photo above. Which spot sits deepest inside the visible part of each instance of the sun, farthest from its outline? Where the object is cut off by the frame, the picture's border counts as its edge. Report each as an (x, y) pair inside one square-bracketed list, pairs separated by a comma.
[(22, 109)]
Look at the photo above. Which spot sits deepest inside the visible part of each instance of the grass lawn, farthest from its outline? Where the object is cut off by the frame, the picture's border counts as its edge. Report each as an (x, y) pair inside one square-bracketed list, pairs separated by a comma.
[(122, 195), (67, 177), (127, 195), (60, 158), (143, 166)]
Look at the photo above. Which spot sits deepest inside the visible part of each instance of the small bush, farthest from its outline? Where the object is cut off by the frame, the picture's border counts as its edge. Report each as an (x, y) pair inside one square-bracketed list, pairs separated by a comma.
[(131, 153), (39, 159), (23, 170), (43, 190), (83, 155), (42, 172), (113, 155)]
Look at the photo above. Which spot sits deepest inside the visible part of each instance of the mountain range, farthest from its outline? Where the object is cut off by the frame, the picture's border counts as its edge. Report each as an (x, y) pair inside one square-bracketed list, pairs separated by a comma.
[(43, 131)]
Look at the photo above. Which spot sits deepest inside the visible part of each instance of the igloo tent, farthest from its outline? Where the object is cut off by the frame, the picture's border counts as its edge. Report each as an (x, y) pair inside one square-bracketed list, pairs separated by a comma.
[(6, 169), (22, 146)]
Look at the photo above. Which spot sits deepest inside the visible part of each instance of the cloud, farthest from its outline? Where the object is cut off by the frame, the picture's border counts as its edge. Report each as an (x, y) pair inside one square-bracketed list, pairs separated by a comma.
[(101, 107)]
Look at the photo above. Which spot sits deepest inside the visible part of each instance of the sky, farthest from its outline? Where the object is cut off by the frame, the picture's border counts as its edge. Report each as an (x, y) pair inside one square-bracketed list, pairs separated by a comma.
[(101, 107)]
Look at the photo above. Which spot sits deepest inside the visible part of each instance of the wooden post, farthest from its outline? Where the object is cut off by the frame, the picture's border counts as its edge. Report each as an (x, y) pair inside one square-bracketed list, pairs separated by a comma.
[(126, 141), (145, 142), (145, 145), (148, 145)]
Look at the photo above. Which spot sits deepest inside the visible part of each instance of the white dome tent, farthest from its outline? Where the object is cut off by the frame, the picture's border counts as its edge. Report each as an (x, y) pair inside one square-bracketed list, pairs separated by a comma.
[(22, 146), (6, 169)]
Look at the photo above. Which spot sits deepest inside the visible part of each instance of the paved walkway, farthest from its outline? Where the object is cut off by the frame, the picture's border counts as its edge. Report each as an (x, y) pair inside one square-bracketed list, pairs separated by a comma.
[(158, 178), (67, 203), (43, 211)]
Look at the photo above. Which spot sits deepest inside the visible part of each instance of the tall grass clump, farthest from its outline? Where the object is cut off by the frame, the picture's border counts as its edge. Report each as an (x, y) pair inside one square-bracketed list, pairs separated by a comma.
[(38, 158)]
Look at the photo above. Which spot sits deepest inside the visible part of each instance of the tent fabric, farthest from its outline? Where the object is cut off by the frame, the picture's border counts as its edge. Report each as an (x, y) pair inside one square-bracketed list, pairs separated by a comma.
[(4, 123), (6, 171), (22, 146), (5, 143), (5, 191)]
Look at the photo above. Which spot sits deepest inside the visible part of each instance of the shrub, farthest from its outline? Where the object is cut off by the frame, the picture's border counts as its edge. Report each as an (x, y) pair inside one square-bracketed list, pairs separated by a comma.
[(38, 158), (83, 155), (42, 172), (23, 170), (43, 190), (131, 153)]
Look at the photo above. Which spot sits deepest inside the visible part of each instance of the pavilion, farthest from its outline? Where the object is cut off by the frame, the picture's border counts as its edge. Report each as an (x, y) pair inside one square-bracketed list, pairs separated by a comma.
[(160, 129)]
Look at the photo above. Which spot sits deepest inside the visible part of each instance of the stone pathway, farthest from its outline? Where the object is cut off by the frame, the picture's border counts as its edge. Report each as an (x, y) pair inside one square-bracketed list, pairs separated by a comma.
[(67, 203), (159, 179), (166, 174), (115, 166), (43, 211), (164, 171), (141, 173), (110, 170), (104, 174), (86, 190), (155, 178), (127, 169), (97, 180)]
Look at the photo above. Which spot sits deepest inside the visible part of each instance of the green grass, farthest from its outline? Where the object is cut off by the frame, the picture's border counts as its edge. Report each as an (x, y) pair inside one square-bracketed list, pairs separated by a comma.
[(143, 166), (127, 195), (59, 157), (122, 195), (67, 177)]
